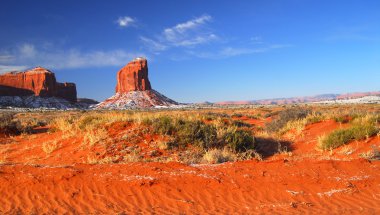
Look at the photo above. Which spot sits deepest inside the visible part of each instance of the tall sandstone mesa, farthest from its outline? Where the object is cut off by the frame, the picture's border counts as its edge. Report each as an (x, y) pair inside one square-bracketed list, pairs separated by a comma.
[(133, 89), (39, 82), (133, 77)]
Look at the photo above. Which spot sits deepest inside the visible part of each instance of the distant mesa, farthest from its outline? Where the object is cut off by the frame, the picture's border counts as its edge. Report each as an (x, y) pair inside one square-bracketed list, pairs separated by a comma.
[(133, 89), (39, 82), (36, 88), (307, 99)]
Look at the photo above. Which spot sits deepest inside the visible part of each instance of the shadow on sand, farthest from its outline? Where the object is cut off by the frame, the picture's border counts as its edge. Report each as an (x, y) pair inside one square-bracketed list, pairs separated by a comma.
[(269, 146)]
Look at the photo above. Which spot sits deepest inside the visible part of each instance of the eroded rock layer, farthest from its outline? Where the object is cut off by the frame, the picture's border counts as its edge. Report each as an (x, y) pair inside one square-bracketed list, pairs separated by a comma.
[(39, 82), (133, 77)]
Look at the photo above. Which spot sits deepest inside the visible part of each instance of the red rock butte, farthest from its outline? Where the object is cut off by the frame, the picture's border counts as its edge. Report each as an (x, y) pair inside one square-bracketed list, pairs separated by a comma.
[(39, 82), (133, 77), (133, 89)]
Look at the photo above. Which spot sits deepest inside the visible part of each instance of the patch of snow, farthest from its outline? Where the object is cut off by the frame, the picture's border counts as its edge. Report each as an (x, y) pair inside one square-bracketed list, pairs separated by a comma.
[(137, 99), (35, 102), (362, 100)]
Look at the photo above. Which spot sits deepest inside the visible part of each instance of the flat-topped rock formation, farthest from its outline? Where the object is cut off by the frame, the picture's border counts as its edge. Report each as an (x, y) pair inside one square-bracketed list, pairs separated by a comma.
[(37, 88), (133, 77), (133, 89), (39, 82)]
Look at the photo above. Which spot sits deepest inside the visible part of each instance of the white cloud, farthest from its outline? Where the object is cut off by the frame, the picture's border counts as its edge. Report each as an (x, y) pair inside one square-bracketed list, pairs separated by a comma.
[(182, 28), (196, 40), (5, 58), (187, 34), (125, 21), (153, 45), (236, 51), (5, 68), (27, 50), (28, 55)]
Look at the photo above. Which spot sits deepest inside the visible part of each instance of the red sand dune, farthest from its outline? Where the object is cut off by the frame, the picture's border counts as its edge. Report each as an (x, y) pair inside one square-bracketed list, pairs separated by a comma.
[(307, 181)]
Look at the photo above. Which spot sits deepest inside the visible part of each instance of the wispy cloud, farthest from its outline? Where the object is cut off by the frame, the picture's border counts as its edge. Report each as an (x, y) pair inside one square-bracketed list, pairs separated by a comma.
[(187, 34), (236, 51), (28, 55), (153, 45), (5, 68), (125, 21), (191, 24), (189, 39)]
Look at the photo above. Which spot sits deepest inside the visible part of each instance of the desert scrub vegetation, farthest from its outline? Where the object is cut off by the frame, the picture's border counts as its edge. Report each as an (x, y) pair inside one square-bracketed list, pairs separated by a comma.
[(284, 117), (9, 124), (94, 136), (199, 134), (219, 156), (50, 146), (361, 128), (373, 154), (293, 118)]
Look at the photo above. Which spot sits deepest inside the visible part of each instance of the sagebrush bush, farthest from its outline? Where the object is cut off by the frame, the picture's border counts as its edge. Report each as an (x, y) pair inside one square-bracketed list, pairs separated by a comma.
[(286, 116), (49, 147), (163, 125), (205, 136), (10, 125), (239, 140), (239, 123), (341, 119), (88, 122), (360, 130), (195, 132), (218, 156)]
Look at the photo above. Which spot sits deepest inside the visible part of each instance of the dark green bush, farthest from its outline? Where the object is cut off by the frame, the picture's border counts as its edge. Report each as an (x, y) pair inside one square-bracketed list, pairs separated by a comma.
[(9, 125), (240, 124), (341, 119), (237, 115), (284, 117), (163, 125), (87, 120), (197, 133), (239, 140), (200, 134), (343, 136)]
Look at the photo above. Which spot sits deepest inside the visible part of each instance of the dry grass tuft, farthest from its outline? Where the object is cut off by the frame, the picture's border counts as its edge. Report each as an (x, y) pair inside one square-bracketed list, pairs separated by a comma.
[(92, 137), (51, 146), (219, 156)]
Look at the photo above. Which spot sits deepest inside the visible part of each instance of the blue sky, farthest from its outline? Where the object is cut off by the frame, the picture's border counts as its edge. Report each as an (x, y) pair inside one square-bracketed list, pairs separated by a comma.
[(199, 50)]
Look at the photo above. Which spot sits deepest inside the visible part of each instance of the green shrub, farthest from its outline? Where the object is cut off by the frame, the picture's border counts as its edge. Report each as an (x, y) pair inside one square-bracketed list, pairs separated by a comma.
[(163, 125), (239, 140), (197, 133), (204, 136), (341, 119), (358, 131), (285, 116), (239, 123), (238, 115), (336, 139), (88, 121)]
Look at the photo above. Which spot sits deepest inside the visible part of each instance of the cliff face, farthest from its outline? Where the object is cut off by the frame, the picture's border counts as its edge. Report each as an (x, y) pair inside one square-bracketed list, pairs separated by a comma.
[(133, 77), (38, 82), (67, 91)]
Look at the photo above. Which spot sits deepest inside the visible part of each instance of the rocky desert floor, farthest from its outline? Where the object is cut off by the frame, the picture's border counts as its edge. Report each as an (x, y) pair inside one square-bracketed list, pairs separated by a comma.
[(142, 162)]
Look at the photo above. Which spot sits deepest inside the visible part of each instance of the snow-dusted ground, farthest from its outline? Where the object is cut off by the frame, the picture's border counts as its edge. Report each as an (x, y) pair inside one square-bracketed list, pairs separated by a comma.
[(362, 100), (39, 102), (138, 99)]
